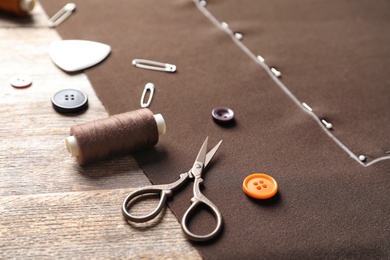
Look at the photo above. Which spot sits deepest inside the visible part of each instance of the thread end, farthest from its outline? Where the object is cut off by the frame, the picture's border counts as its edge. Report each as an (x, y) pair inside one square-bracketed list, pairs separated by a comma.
[(72, 146), (27, 5), (160, 124)]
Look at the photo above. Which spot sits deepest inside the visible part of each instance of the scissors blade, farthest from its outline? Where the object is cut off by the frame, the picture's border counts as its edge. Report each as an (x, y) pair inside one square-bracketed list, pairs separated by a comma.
[(201, 158), (198, 166), (211, 153)]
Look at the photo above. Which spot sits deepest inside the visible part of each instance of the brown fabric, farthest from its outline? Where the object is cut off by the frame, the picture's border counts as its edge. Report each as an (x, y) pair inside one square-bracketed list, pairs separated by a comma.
[(328, 205), (333, 55)]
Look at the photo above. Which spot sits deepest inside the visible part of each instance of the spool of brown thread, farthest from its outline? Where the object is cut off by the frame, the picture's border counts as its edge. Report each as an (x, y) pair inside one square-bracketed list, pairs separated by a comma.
[(17, 7), (117, 134)]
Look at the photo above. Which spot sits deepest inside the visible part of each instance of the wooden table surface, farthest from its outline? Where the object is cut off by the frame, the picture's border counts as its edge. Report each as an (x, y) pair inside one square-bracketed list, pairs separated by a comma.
[(50, 206)]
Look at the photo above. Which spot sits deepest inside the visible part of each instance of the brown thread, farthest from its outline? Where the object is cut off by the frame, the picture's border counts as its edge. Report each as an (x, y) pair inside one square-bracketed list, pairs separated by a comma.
[(117, 134), (17, 7)]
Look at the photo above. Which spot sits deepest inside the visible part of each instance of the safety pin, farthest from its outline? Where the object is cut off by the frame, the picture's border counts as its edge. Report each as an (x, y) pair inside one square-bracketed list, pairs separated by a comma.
[(62, 14), (362, 158), (327, 124), (148, 87), (154, 65), (260, 58), (203, 3), (277, 73), (238, 36), (307, 107), (224, 25)]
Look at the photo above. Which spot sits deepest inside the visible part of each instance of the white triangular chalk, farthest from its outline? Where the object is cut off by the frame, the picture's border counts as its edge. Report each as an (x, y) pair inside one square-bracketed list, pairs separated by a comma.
[(75, 55)]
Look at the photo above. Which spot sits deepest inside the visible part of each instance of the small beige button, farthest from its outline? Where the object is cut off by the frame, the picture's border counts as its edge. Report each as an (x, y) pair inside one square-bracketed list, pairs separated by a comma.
[(21, 81)]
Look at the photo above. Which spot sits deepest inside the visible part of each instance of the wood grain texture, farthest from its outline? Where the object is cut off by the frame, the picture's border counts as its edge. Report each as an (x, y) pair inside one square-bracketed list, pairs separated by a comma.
[(50, 206), (86, 225)]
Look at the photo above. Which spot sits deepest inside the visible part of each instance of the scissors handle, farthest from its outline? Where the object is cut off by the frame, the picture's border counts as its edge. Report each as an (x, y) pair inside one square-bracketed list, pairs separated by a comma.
[(164, 191), (198, 200)]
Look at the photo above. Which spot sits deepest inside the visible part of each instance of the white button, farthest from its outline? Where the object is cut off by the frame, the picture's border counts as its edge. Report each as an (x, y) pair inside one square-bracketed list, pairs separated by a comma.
[(21, 81)]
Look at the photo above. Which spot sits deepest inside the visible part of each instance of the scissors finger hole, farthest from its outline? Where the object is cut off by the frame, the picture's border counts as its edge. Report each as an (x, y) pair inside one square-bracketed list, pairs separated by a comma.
[(142, 205), (201, 221)]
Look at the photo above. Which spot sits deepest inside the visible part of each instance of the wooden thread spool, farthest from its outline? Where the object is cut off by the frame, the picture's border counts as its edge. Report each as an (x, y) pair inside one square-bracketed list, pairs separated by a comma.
[(17, 7), (117, 134)]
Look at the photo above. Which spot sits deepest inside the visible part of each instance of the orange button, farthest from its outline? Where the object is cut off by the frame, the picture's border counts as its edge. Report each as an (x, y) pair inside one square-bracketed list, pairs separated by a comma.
[(260, 186)]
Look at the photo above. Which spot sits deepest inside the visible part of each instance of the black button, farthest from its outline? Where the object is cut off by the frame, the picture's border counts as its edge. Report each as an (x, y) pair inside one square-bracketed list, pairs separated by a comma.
[(69, 101), (222, 115)]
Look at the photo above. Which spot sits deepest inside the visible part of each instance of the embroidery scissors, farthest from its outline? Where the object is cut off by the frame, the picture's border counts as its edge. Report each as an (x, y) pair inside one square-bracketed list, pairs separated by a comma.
[(165, 191)]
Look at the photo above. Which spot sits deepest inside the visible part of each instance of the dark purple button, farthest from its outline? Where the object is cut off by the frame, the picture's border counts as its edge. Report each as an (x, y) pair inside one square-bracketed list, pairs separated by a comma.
[(222, 114)]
